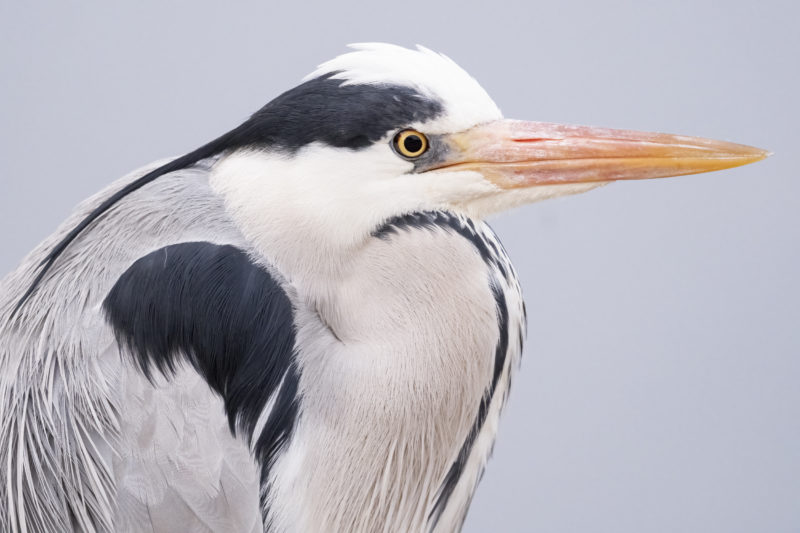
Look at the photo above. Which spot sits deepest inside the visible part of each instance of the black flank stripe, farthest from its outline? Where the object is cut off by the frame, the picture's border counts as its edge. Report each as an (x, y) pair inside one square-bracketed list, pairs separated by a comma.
[(492, 255), (457, 468)]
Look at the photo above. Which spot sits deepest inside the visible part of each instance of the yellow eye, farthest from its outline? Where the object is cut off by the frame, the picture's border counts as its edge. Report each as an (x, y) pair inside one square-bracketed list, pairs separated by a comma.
[(410, 143)]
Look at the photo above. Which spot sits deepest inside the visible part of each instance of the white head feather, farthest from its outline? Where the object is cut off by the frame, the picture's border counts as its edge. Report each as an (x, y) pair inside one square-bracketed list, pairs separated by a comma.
[(431, 73)]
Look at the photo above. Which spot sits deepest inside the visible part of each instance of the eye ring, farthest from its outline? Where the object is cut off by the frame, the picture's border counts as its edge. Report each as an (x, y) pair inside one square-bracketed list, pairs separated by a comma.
[(410, 143)]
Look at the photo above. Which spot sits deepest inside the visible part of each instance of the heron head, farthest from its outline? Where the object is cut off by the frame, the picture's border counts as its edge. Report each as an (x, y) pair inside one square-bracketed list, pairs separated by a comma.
[(384, 130)]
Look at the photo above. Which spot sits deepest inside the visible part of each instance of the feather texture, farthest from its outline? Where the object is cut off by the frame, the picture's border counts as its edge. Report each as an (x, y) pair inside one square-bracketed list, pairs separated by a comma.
[(72, 412)]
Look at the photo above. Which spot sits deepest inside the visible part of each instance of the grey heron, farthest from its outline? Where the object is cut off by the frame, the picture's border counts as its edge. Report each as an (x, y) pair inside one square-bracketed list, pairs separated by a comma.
[(303, 325)]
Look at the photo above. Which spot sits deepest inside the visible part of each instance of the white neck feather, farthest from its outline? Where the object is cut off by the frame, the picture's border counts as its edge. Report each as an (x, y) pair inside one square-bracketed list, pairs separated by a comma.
[(309, 213)]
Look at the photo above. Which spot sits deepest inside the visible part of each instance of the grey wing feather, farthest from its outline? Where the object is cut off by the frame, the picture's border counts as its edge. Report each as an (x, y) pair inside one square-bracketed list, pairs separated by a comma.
[(85, 442)]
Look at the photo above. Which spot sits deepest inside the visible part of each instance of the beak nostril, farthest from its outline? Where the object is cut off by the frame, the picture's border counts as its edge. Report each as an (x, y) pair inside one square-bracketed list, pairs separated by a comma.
[(534, 140)]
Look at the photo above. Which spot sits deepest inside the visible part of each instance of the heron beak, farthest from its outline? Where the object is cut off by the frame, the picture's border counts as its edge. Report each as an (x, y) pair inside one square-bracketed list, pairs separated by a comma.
[(515, 154)]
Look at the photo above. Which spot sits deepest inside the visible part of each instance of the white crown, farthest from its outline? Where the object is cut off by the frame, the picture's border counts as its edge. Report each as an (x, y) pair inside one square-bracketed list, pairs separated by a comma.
[(466, 103)]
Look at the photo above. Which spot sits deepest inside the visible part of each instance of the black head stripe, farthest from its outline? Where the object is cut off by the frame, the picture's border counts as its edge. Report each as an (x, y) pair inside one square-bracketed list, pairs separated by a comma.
[(319, 110), (344, 116)]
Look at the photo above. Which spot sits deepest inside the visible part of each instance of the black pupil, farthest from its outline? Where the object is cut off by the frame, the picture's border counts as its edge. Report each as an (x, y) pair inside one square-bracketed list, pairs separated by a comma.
[(412, 144)]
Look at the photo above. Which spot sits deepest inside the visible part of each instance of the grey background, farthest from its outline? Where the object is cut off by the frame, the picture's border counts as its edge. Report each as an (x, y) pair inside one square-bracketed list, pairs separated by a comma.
[(660, 389)]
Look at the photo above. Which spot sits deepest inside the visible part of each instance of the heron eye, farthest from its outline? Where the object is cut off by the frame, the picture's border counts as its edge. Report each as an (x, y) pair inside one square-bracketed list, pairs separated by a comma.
[(410, 143)]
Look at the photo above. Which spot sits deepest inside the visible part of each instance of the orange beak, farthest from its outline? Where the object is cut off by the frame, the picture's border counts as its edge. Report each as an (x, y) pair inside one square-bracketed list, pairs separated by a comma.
[(515, 154)]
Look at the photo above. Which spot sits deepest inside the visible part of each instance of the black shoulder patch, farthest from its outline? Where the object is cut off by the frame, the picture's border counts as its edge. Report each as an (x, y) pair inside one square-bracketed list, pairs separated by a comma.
[(211, 306)]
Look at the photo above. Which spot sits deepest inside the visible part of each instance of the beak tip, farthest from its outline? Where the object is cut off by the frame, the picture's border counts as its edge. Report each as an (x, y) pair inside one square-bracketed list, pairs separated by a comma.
[(760, 154), (746, 155)]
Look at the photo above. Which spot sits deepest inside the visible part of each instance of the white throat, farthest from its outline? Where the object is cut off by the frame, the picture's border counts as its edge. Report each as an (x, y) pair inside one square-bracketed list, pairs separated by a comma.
[(309, 213)]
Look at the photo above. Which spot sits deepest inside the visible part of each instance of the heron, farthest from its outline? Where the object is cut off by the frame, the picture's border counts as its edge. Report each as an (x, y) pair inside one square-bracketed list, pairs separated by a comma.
[(304, 325)]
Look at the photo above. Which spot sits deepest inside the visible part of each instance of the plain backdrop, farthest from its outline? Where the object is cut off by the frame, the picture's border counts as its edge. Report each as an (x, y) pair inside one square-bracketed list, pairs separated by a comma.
[(660, 388)]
